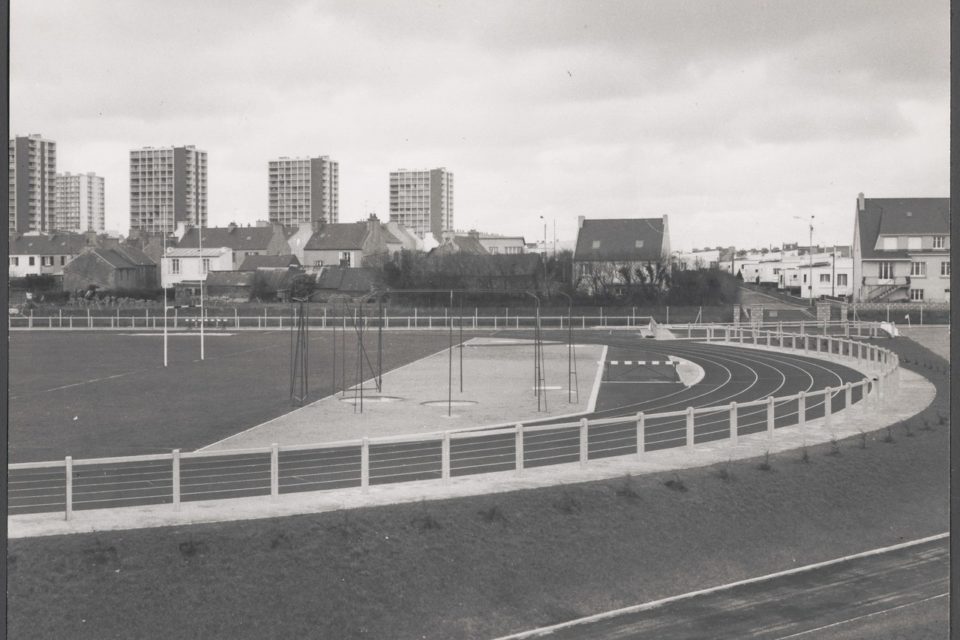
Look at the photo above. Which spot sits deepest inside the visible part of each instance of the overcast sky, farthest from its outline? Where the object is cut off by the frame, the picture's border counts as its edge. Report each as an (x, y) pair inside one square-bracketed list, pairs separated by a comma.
[(730, 117)]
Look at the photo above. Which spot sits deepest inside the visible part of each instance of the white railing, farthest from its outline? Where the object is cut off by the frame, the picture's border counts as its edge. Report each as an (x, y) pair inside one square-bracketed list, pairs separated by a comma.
[(513, 448)]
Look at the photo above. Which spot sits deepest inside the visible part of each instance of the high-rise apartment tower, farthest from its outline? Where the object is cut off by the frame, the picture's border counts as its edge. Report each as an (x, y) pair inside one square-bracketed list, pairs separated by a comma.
[(422, 201), (33, 177), (168, 186), (80, 203), (304, 190)]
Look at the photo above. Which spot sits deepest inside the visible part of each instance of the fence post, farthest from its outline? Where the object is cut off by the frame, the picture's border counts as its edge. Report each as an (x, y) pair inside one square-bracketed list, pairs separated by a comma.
[(847, 395), (806, 344), (176, 479), (827, 407), (68, 466), (584, 450), (690, 426), (771, 416), (816, 342), (734, 429), (365, 464), (274, 470), (519, 448), (641, 429), (802, 408), (880, 394), (445, 456), (768, 338)]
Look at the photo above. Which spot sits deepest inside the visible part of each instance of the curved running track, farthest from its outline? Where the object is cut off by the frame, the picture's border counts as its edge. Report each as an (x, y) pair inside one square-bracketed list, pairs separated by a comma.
[(731, 374)]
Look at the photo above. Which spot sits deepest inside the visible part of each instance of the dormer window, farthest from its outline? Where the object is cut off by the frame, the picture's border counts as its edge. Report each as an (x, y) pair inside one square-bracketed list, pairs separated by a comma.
[(913, 243), (889, 243), (596, 244), (639, 244)]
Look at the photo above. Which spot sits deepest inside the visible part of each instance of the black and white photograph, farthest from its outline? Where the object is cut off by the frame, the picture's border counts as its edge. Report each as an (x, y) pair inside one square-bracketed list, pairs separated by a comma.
[(500, 320)]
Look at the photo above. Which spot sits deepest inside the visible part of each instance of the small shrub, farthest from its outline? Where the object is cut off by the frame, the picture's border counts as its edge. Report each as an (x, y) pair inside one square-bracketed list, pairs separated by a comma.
[(725, 474), (676, 484), (805, 455), (626, 488), (191, 548), (907, 429), (863, 439), (425, 520), (765, 464), (889, 437), (281, 540), (567, 504), (834, 447), (941, 419), (101, 555), (492, 514)]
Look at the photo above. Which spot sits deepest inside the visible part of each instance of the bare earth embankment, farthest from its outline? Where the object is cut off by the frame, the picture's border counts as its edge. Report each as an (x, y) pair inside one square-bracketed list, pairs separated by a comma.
[(481, 567)]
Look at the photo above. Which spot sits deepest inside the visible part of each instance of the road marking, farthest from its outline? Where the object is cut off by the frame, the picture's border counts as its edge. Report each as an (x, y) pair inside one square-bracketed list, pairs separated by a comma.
[(723, 587), (867, 615)]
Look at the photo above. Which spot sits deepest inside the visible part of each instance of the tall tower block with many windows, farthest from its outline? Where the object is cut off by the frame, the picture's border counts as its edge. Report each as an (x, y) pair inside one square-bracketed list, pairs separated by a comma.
[(304, 190), (33, 178), (167, 186), (422, 201)]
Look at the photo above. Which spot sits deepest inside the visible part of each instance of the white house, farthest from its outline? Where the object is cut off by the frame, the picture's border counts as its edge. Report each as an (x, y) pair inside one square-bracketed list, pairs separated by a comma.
[(179, 265), (831, 278)]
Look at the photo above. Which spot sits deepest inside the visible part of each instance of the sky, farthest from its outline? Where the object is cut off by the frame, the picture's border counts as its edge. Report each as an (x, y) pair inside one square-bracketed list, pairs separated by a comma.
[(738, 119)]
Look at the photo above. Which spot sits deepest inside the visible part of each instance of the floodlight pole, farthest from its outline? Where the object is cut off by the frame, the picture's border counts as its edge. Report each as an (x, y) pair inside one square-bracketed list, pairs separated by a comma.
[(203, 276), (450, 361), (461, 342), (163, 233)]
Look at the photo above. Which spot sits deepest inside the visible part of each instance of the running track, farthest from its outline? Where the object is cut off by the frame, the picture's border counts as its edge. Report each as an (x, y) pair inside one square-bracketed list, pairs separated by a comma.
[(731, 374)]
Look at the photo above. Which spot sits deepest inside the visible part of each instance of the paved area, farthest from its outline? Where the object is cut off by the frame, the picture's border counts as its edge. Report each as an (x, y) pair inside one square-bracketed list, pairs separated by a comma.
[(497, 382), (915, 394), (828, 598)]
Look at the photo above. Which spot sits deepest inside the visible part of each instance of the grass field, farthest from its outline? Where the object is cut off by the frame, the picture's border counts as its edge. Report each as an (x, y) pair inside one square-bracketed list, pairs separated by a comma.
[(92, 394), (474, 568)]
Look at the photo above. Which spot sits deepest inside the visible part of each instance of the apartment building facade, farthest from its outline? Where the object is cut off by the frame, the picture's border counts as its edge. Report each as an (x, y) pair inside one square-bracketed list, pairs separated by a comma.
[(32, 183), (80, 203), (304, 190), (167, 186), (422, 201)]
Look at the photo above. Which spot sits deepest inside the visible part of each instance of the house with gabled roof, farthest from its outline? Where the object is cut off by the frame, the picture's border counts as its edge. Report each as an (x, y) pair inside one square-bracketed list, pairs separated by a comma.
[(347, 244), (609, 252), (453, 244), (40, 254), (269, 240), (116, 268), (283, 263), (901, 249)]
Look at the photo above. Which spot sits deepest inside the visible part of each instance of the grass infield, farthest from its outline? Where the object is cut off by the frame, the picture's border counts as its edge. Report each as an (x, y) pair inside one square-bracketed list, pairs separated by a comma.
[(481, 567)]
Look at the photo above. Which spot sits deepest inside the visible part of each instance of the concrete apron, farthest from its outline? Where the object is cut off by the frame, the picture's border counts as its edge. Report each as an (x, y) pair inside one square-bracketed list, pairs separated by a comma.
[(913, 396)]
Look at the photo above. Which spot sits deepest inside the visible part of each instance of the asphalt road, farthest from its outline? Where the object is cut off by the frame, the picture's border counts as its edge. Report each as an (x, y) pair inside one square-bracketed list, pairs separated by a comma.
[(862, 597), (731, 374)]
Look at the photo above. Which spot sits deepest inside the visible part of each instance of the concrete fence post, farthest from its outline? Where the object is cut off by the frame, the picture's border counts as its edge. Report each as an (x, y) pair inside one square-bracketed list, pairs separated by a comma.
[(584, 442), (880, 390), (816, 342), (771, 416), (741, 334), (641, 434), (445, 456), (734, 429), (827, 407), (806, 343), (802, 408), (365, 464), (690, 426), (68, 501), (274, 470), (176, 478), (847, 395), (519, 448), (768, 338)]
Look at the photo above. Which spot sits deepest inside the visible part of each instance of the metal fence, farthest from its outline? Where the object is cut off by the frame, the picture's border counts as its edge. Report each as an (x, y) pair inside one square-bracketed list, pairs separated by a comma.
[(176, 477)]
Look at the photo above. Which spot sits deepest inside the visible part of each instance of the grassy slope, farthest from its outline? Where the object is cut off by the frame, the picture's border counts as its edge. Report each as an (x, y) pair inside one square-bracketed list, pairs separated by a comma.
[(480, 567)]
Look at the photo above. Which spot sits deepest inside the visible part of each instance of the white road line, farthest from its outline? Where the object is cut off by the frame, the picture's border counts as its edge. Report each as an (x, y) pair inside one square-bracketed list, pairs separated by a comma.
[(868, 615), (723, 587)]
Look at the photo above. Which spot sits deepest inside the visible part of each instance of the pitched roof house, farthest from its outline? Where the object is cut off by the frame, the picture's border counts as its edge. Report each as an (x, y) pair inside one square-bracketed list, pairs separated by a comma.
[(243, 241), (347, 244), (252, 263), (462, 245), (901, 249), (35, 254), (607, 246), (116, 268)]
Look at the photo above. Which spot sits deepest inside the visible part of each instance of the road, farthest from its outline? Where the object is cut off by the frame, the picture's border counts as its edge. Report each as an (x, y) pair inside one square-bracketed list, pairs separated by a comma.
[(859, 597), (731, 374)]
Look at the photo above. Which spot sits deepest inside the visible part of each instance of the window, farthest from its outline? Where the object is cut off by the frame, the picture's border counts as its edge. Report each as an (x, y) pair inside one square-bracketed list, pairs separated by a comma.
[(841, 279), (886, 270), (175, 266), (14, 262), (918, 269), (596, 244), (494, 250), (824, 278), (913, 242), (345, 258), (938, 242), (945, 269), (804, 278), (889, 243), (205, 266), (916, 294), (63, 260), (33, 261), (639, 244)]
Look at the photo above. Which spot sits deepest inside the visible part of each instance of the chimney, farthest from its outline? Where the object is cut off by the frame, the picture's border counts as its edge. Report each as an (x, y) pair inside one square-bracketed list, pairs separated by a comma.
[(860, 202), (473, 233), (316, 224), (580, 221), (372, 223)]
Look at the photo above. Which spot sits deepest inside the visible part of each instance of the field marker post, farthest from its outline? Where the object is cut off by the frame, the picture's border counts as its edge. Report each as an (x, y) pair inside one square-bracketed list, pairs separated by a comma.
[(365, 464), (68, 466), (176, 478), (89, 319), (771, 416), (584, 450), (689, 330), (476, 314), (641, 437), (236, 317), (518, 448), (445, 456), (734, 429), (274, 470), (827, 408), (61, 317), (689, 427), (802, 408)]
